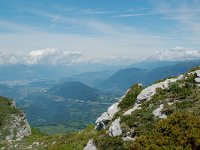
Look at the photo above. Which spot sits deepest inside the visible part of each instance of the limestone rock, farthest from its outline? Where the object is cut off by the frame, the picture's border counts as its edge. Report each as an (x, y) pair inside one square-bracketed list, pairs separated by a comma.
[(157, 112), (13, 104), (90, 145), (135, 107), (106, 117), (197, 80), (198, 73), (18, 127), (148, 92), (115, 128)]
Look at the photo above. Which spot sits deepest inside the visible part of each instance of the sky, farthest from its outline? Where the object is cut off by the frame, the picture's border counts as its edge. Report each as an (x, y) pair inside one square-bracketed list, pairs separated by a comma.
[(76, 31)]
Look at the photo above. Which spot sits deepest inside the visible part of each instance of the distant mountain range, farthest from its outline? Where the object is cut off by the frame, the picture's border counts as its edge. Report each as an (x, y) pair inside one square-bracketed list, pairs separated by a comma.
[(121, 80), (92, 79), (47, 97), (150, 65), (124, 78), (34, 72)]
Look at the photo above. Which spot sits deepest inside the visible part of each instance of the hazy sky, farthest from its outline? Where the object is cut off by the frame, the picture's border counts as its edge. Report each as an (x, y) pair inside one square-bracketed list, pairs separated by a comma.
[(98, 29)]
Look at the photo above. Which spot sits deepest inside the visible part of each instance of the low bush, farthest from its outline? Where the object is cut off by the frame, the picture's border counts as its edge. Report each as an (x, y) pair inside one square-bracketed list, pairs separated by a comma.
[(130, 97), (180, 130)]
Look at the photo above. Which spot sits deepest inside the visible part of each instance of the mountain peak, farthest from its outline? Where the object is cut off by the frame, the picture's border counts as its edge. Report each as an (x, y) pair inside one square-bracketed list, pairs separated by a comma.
[(74, 90)]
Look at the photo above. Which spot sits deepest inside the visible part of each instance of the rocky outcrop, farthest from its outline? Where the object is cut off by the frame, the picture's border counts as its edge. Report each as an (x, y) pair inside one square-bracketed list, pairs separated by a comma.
[(13, 104), (14, 125), (148, 92), (17, 127), (197, 79), (128, 127), (135, 107), (90, 145), (106, 117), (157, 112), (115, 128)]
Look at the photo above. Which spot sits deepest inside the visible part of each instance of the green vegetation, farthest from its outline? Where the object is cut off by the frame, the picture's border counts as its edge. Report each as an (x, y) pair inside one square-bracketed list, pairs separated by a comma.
[(106, 142), (76, 140), (178, 131), (5, 109), (181, 96), (130, 97)]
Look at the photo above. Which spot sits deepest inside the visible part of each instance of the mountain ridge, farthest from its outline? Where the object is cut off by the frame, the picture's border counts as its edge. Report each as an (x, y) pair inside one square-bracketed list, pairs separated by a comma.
[(124, 78), (164, 115)]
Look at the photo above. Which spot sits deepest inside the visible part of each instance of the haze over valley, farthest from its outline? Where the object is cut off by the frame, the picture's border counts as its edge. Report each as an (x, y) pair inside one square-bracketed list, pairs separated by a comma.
[(99, 74)]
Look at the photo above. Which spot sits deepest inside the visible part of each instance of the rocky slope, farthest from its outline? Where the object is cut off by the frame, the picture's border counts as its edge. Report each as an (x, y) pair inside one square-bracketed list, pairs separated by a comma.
[(165, 115), (144, 113), (13, 124)]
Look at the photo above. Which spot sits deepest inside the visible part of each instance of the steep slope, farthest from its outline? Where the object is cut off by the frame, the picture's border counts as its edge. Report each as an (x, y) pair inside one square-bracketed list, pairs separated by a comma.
[(164, 115), (74, 90), (13, 124)]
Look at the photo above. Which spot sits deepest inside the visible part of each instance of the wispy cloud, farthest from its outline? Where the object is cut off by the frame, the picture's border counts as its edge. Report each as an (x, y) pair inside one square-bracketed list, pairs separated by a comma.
[(134, 15), (186, 14), (50, 56), (177, 53), (96, 12), (95, 33)]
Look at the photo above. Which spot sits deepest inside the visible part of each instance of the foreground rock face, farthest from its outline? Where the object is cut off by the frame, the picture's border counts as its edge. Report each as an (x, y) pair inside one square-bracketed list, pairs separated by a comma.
[(115, 128), (148, 92), (15, 125), (90, 145), (197, 79), (18, 127), (106, 117), (157, 112), (135, 107), (150, 108)]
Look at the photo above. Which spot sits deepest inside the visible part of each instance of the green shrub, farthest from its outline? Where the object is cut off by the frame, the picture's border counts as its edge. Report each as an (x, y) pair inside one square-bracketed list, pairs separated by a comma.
[(6, 110), (106, 142), (142, 120), (130, 97), (178, 131)]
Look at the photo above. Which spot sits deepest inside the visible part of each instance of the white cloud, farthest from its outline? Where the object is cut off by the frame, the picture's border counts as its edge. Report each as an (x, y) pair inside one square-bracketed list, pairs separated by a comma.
[(52, 56), (9, 58), (177, 53), (46, 56)]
